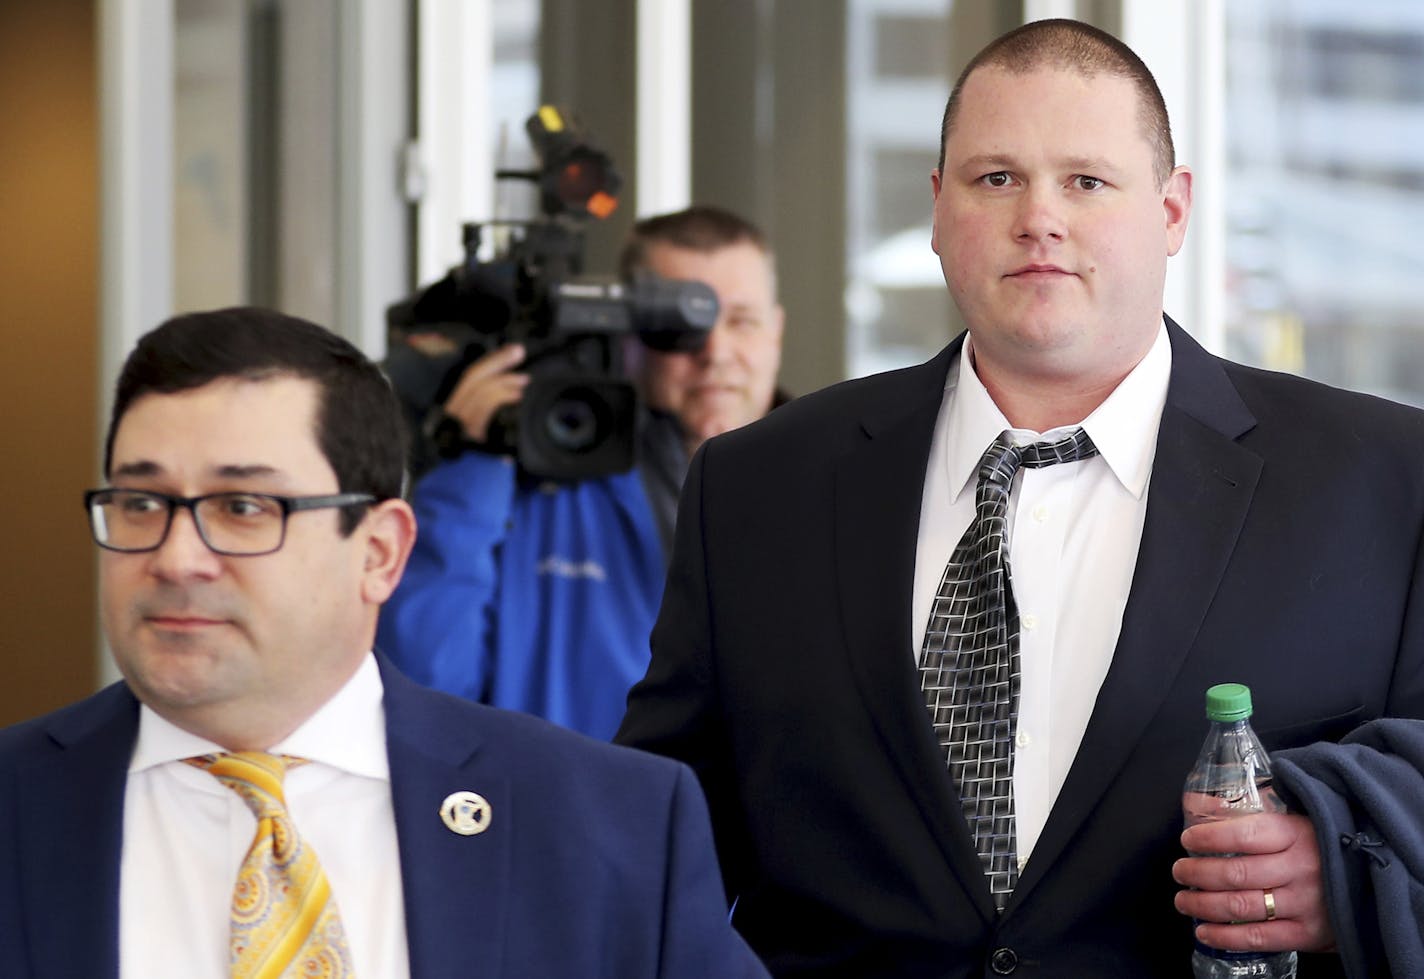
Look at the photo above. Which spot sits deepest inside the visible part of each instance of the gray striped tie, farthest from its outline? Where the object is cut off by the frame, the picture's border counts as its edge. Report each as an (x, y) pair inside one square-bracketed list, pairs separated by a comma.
[(969, 664)]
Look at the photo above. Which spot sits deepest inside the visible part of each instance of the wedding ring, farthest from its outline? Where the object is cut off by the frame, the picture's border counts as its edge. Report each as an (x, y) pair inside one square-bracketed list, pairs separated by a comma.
[(1270, 904)]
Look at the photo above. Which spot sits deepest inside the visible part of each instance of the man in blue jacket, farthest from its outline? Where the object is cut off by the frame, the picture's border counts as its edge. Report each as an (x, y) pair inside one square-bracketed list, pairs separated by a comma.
[(540, 596)]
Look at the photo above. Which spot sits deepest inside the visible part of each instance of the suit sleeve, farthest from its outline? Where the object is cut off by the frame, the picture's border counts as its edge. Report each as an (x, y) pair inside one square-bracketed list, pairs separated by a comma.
[(675, 709), (12, 932), (440, 625), (698, 941), (1406, 688)]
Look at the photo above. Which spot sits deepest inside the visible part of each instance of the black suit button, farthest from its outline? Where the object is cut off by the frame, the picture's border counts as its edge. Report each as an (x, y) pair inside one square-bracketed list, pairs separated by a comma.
[(1003, 961)]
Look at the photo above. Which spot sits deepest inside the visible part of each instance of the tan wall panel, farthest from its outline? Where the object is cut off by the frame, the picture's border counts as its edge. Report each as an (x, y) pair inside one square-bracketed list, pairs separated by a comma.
[(49, 235)]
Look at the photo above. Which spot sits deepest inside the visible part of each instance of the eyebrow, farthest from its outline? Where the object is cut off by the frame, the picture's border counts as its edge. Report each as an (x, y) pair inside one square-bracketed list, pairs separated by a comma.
[(146, 467), (998, 162)]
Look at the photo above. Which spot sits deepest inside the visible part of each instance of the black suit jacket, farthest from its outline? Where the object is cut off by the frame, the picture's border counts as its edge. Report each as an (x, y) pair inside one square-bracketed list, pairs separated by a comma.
[(1281, 549)]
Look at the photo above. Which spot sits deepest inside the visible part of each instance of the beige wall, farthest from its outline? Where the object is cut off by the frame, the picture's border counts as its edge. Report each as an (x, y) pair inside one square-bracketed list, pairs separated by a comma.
[(49, 231)]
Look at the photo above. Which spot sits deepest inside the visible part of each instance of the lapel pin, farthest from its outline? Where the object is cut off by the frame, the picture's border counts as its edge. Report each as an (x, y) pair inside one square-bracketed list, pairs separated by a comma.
[(466, 813)]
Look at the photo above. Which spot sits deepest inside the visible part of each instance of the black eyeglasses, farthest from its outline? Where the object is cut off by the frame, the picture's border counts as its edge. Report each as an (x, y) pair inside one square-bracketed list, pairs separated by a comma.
[(235, 524)]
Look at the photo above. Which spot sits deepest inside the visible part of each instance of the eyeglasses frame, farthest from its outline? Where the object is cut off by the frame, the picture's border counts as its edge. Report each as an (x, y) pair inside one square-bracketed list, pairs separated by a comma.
[(289, 505)]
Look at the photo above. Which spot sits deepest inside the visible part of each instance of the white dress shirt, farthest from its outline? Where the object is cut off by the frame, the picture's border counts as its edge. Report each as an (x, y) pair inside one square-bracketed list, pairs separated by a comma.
[(185, 835), (1074, 531)]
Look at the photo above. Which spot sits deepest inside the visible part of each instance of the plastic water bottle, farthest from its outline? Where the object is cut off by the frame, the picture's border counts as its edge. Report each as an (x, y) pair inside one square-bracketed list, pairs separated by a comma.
[(1232, 777)]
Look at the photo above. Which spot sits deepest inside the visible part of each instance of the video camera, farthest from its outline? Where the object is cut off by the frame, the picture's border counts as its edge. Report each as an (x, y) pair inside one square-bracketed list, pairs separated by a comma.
[(579, 416)]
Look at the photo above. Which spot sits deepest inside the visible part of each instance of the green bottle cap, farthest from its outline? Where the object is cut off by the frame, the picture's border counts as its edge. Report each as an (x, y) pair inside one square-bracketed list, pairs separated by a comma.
[(1228, 702)]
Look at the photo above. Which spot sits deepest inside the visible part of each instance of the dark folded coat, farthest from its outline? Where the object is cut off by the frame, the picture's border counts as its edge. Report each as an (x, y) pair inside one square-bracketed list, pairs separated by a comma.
[(1366, 798)]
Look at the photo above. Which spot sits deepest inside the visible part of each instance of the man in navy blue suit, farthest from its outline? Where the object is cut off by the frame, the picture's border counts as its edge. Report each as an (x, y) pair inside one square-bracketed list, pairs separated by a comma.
[(251, 527)]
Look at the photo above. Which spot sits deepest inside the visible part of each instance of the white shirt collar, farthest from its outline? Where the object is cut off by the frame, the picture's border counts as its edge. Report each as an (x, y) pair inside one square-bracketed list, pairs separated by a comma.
[(1124, 427), (348, 732)]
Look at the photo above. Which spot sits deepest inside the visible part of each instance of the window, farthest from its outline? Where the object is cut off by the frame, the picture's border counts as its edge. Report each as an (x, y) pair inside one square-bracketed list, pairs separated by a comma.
[(902, 57), (1325, 161)]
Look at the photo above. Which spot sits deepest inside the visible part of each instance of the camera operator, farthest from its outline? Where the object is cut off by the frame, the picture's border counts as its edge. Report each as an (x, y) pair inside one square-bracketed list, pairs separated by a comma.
[(539, 595)]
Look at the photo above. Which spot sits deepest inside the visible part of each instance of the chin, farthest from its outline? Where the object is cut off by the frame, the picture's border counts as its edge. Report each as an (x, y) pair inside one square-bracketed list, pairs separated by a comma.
[(1045, 332), (180, 676), (721, 423), (168, 692)]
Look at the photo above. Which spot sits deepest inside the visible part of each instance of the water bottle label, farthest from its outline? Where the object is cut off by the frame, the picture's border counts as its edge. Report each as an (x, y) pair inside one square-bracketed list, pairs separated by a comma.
[(1244, 958), (1226, 956)]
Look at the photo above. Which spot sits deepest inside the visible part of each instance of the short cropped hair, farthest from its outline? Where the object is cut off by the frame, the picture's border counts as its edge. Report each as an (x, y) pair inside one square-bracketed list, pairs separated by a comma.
[(359, 427), (1071, 45), (699, 228)]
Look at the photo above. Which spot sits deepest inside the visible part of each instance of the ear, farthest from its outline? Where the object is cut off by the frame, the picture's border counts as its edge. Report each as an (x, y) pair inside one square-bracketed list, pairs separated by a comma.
[(935, 184), (1177, 207), (389, 530)]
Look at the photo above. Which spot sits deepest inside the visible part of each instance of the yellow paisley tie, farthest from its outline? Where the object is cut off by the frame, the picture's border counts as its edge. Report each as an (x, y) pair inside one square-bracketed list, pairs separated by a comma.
[(284, 917)]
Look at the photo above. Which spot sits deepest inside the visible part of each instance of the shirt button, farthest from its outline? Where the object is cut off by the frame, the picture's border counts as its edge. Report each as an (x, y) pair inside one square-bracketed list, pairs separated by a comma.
[(1040, 513), (1023, 739), (1029, 621), (1023, 862)]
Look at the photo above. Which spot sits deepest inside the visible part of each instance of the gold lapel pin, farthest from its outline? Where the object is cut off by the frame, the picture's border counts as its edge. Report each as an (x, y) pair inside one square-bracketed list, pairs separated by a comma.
[(466, 813)]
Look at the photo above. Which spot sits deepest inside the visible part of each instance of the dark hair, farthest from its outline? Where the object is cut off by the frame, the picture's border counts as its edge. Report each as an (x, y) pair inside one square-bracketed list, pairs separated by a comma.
[(699, 228), (358, 425), (1071, 45)]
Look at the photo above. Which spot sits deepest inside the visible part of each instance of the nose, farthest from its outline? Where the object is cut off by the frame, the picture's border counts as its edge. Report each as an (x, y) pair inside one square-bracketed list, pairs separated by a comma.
[(718, 347), (183, 555), (1040, 216)]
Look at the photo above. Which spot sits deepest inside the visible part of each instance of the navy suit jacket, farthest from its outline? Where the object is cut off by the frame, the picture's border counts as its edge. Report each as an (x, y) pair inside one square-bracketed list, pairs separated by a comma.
[(598, 861), (1281, 549)]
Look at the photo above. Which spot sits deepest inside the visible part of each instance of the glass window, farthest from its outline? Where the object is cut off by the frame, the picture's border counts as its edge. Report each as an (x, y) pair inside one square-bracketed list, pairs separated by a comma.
[(514, 96), (1325, 148), (902, 57), (897, 77), (254, 166)]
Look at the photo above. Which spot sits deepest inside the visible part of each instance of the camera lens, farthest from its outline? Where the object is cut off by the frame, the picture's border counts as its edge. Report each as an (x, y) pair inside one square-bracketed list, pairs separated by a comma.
[(577, 421)]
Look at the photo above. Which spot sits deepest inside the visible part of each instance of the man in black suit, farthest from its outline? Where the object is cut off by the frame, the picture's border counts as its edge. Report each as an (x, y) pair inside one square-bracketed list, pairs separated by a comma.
[(1223, 524)]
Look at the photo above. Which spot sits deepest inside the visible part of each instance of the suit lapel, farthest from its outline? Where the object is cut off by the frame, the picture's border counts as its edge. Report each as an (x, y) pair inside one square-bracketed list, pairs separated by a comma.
[(878, 490), (453, 884), (1201, 488), (71, 836)]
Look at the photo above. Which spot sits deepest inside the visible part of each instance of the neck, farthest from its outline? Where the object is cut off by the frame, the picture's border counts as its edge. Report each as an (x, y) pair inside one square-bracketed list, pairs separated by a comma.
[(1038, 407), (1043, 397), (264, 717), (246, 732)]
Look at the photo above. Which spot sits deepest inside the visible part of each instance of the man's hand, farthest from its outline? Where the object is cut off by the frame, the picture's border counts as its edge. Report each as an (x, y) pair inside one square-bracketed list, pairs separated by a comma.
[(1276, 851), (486, 386)]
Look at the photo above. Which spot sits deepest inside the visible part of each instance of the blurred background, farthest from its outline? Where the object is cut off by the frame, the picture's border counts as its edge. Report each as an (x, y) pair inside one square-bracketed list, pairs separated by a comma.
[(321, 155)]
